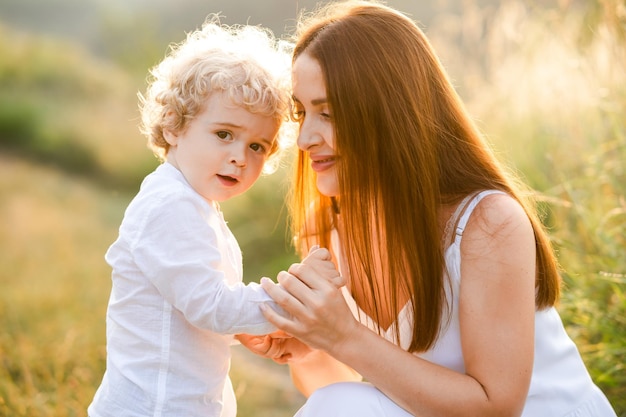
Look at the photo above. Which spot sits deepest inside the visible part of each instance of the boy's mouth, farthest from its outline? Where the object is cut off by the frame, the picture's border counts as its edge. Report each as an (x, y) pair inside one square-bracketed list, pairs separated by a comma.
[(227, 180)]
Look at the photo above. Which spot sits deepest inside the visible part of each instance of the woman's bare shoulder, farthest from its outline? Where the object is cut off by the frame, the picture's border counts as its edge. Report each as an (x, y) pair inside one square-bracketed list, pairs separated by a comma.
[(498, 218)]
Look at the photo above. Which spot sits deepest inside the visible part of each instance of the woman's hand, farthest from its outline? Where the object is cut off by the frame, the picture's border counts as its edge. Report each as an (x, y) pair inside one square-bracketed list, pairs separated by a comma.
[(310, 293), (281, 346)]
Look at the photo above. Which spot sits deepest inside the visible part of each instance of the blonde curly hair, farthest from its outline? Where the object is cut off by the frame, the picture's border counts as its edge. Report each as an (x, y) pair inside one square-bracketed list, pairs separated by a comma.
[(246, 62)]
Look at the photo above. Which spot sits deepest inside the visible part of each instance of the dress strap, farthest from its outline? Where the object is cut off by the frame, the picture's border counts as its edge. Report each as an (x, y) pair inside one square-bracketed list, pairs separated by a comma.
[(453, 220), (467, 208)]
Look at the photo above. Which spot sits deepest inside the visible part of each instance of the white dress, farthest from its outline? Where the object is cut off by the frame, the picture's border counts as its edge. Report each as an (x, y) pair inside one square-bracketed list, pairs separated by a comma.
[(560, 385)]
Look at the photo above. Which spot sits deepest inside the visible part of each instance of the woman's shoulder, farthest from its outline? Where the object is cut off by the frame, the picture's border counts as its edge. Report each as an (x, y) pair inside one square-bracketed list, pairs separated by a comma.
[(497, 217), (498, 208)]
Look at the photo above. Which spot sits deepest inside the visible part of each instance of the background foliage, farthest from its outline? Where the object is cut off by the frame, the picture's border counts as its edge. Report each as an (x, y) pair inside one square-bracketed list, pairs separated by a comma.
[(546, 81)]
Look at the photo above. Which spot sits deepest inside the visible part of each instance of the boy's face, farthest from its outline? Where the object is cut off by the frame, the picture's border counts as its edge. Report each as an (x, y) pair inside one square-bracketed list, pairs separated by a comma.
[(223, 149)]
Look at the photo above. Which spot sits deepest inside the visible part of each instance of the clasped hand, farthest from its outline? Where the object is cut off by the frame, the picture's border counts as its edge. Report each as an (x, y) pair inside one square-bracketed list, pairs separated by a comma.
[(310, 292)]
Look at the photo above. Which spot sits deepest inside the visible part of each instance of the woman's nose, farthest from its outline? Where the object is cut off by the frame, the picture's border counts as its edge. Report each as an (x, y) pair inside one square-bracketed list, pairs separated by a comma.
[(308, 137)]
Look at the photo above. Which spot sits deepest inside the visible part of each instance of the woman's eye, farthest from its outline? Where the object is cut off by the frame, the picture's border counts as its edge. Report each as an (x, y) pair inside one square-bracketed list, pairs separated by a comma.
[(224, 135), (297, 115)]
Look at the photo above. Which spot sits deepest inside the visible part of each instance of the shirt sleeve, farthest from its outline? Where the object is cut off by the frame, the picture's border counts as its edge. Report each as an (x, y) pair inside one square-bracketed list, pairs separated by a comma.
[(177, 250)]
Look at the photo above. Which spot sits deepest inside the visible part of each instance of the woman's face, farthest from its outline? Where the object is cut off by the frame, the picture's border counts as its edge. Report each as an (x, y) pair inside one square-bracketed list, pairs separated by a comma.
[(317, 137)]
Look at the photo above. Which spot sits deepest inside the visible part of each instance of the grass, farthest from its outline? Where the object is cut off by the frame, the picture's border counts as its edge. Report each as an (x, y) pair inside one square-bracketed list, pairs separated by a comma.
[(53, 280), (55, 283)]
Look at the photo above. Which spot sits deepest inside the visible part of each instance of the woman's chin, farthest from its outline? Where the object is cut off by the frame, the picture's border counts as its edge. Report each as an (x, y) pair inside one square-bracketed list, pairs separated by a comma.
[(327, 188)]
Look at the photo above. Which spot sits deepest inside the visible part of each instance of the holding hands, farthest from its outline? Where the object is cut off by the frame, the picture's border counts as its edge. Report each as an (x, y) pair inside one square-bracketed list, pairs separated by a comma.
[(310, 292), (278, 346)]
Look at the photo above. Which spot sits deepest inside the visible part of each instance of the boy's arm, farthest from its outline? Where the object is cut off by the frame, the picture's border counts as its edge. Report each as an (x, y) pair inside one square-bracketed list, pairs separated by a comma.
[(178, 252)]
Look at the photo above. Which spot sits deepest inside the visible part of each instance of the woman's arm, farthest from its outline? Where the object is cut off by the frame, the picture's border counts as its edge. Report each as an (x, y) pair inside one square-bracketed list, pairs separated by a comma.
[(310, 368), (496, 318), (319, 369)]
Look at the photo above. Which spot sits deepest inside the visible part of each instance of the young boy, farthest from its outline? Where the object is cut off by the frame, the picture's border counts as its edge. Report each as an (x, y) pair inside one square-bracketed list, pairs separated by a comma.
[(212, 113)]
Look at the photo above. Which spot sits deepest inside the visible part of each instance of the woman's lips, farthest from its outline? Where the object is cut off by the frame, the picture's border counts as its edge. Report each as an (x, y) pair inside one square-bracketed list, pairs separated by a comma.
[(322, 163)]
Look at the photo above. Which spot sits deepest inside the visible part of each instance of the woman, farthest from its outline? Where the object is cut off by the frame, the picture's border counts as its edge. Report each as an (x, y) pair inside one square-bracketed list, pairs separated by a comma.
[(451, 280)]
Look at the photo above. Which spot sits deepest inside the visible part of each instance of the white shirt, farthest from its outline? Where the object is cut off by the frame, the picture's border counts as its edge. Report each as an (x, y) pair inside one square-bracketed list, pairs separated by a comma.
[(177, 298)]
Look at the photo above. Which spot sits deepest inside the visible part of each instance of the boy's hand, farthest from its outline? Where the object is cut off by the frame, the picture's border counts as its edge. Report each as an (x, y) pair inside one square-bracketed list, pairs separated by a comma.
[(278, 346), (319, 262), (268, 345)]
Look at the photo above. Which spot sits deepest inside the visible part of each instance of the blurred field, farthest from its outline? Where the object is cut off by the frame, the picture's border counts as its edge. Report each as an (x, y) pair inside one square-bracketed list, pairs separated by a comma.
[(547, 83), (55, 287)]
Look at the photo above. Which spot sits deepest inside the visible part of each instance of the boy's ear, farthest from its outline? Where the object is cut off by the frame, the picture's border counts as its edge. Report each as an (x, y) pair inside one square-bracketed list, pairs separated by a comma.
[(170, 137)]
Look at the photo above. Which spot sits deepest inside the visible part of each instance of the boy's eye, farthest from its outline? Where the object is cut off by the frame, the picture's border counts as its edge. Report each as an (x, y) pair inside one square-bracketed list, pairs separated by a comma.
[(224, 135), (256, 147)]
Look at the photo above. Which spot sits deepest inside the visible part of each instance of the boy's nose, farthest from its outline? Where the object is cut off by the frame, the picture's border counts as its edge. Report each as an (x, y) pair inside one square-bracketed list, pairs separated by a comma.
[(238, 157), (238, 161)]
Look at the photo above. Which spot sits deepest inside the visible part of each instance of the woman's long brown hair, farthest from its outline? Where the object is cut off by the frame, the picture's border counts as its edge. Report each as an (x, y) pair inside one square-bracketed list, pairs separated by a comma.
[(406, 146)]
